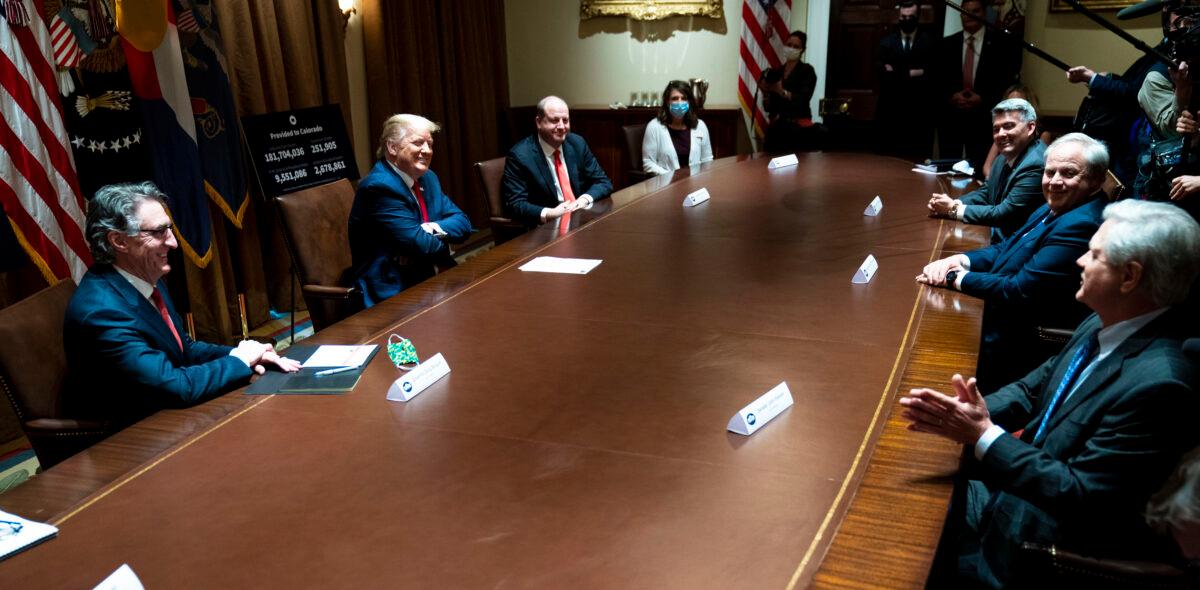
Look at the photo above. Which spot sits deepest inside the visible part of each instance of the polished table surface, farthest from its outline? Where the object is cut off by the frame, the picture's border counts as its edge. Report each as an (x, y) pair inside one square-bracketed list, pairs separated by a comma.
[(579, 440)]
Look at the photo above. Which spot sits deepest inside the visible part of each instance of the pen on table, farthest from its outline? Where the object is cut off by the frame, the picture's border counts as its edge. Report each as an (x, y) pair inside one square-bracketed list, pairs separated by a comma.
[(334, 370)]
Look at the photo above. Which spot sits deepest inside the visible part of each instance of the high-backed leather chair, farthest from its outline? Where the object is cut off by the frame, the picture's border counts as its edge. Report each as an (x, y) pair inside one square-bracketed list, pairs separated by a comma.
[(33, 368), (315, 227), (491, 173), (633, 147)]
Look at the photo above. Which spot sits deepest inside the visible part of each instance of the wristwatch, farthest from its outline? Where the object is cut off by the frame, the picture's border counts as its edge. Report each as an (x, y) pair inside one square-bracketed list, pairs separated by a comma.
[(950, 277)]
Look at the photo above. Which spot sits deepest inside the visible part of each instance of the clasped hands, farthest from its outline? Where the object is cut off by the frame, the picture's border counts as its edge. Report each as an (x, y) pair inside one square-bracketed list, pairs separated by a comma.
[(583, 202), (257, 355), (941, 205), (934, 273), (962, 417), (965, 99)]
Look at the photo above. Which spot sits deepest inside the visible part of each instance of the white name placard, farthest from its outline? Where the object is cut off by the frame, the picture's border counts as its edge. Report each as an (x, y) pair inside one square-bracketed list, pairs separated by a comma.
[(762, 410), (416, 380), (122, 579), (866, 271), (696, 198), (874, 207), (783, 161)]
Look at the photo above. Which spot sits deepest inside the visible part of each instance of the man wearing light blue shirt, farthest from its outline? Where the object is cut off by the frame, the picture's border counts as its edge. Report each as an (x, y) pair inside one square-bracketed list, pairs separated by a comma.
[(1101, 425)]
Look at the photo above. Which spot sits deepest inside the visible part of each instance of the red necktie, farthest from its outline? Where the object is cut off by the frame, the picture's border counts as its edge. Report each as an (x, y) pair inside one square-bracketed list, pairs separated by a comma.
[(420, 195), (969, 63), (564, 183), (161, 306)]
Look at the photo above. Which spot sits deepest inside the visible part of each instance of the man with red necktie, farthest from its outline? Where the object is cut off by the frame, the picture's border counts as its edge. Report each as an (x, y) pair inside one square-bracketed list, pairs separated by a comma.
[(552, 173), (402, 224), (127, 356)]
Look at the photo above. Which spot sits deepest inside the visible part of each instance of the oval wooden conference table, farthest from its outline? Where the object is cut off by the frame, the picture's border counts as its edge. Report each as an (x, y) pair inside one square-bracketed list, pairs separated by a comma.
[(579, 441)]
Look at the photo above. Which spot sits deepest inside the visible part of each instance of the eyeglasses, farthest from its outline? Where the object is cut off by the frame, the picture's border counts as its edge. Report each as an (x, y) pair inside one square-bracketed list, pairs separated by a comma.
[(9, 528), (157, 233)]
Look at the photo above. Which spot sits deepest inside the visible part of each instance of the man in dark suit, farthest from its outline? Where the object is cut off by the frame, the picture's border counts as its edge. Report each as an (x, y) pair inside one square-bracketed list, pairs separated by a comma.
[(1103, 423), (401, 223), (1029, 279), (553, 172), (127, 352), (1014, 187), (973, 76), (905, 71)]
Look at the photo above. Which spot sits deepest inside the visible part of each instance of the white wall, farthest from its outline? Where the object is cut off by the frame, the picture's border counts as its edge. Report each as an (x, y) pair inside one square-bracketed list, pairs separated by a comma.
[(602, 60)]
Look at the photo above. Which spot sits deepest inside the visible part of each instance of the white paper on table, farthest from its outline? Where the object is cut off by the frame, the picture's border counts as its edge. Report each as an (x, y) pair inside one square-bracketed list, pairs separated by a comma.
[(573, 266), (332, 355), (31, 534)]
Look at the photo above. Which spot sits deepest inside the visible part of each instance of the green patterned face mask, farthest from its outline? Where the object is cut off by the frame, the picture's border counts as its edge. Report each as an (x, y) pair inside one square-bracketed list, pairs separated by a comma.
[(402, 352)]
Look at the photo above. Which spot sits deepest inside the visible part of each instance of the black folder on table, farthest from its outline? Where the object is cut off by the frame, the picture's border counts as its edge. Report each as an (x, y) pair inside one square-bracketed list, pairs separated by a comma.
[(306, 379)]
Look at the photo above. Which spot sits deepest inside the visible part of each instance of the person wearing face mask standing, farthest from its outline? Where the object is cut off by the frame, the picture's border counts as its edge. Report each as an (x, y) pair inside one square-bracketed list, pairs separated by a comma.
[(905, 69), (789, 88), (677, 134)]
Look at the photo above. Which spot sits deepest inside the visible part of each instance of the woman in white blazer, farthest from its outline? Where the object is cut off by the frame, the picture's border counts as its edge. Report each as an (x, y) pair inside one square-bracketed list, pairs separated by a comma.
[(677, 134)]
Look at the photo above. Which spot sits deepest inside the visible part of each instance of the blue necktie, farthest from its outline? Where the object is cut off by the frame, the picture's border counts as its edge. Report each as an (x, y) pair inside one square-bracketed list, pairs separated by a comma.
[(1080, 360)]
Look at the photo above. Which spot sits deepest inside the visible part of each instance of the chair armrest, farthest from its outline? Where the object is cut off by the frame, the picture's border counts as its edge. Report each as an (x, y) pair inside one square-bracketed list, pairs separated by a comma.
[(66, 427), (327, 292), (1054, 335)]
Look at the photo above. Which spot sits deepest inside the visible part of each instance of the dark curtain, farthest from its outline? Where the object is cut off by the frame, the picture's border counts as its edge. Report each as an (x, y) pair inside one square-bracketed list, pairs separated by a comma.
[(281, 55), (447, 63)]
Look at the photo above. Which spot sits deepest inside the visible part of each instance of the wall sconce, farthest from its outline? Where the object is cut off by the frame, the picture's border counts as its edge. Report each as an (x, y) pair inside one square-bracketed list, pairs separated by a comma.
[(347, 8)]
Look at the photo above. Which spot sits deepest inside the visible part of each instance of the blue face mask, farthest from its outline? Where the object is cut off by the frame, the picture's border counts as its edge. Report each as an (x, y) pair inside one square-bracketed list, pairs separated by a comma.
[(679, 109)]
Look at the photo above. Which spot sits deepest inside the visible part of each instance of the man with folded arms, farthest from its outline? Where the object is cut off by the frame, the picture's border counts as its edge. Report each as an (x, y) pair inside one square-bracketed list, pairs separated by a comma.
[(128, 355), (402, 223), (552, 173), (1014, 186), (1101, 425), (1028, 280)]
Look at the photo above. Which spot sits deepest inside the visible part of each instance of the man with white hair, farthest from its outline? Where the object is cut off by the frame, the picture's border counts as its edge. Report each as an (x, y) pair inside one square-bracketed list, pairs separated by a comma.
[(1028, 280), (1014, 186), (1102, 424), (402, 223)]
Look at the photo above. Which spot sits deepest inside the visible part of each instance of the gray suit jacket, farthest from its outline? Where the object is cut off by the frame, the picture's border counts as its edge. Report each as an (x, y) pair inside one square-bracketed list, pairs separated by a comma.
[(1005, 208), (1107, 448)]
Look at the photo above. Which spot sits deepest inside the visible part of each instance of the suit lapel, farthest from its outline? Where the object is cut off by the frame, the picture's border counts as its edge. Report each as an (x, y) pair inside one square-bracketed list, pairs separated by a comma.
[(1029, 231), (539, 158), (146, 312), (1106, 371)]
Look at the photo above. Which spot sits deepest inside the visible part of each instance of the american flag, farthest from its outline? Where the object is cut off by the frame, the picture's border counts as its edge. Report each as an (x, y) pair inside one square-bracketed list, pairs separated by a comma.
[(39, 191), (764, 28)]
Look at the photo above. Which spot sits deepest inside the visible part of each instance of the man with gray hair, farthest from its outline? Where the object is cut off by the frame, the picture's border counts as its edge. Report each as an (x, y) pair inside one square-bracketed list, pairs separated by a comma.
[(127, 352), (1027, 281), (402, 224), (1014, 185), (552, 173), (1102, 424)]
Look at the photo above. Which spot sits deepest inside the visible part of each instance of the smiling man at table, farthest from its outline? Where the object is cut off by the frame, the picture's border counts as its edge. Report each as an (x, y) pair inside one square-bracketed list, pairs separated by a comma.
[(1103, 423), (127, 353)]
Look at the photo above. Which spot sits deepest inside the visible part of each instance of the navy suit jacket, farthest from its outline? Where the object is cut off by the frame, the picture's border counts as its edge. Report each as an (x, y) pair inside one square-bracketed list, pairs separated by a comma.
[(1106, 449), (1006, 208), (123, 363), (1027, 281), (389, 249), (528, 186)]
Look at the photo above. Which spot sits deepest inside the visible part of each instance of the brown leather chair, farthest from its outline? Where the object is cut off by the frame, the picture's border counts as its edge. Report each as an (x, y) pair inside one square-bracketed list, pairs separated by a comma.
[(33, 368), (1113, 187), (633, 147), (315, 227), (491, 173), (1040, 566)]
